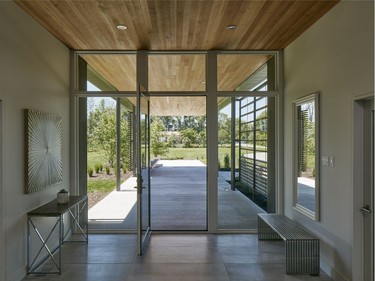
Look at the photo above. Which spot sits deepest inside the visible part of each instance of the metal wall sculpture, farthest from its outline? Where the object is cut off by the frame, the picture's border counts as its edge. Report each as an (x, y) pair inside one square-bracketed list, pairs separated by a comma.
[(43, 133)]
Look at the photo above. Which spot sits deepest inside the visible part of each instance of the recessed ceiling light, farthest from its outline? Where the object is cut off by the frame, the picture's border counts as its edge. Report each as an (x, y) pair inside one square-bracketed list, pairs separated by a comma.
[(121, 26), (231, 27)]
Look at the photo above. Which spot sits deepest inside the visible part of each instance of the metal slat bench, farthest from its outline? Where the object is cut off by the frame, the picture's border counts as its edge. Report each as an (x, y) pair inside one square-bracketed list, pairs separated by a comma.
[(302, 248)]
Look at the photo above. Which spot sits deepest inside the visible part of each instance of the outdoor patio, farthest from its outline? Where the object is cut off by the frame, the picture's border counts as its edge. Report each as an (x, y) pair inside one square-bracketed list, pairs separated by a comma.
[(178, 201)]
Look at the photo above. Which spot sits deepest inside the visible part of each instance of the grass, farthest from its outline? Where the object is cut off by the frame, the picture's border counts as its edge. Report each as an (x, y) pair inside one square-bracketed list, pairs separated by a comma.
[(196, 154), (174, 153), (186, 153), (103, 185), (95, 157)]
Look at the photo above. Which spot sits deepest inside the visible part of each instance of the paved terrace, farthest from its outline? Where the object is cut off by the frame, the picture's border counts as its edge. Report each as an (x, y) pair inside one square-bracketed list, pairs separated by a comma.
[(178, 201)]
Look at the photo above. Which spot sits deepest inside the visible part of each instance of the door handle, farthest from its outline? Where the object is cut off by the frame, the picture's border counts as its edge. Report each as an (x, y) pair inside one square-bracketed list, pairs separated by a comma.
[(366, 209)]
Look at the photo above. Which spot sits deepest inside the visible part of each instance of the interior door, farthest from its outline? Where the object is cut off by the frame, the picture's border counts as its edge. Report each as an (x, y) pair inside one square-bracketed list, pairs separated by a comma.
[(143, 169), (368, 198)]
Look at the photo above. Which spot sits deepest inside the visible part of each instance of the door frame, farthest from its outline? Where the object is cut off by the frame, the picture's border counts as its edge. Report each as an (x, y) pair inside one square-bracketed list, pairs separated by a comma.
[(208, 195), (358, 187)]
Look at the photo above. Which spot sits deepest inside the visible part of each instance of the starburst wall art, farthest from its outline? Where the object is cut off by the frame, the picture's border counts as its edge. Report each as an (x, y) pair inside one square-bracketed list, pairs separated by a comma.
[(43, 133)]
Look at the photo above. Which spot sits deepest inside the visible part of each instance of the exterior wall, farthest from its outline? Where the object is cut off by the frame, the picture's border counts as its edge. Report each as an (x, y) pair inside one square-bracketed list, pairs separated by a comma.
[(34, 74), (336, 57)]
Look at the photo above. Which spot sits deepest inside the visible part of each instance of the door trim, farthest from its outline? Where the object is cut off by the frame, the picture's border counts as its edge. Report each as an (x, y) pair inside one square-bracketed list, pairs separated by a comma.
[(358, 186)]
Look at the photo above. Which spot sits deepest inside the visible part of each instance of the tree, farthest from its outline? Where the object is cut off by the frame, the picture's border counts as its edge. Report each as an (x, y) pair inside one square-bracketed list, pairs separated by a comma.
[(172, 140), (158, 145), (202, 138), (101, 131), (125, 141), (223, 136), (189, 137), (225, 128), (104, 130)]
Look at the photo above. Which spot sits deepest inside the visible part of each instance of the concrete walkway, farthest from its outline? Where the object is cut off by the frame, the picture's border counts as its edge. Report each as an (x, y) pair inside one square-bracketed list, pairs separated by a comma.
[(178, 201)]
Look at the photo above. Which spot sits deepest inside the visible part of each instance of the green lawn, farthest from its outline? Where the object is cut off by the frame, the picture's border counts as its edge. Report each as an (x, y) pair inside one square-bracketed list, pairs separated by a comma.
[(173, 154), (195, 154), (96, 157), (186, 153), (103, 185)]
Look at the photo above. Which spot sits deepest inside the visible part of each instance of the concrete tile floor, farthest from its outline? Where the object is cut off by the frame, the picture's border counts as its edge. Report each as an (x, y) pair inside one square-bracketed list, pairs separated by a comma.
[(178, 257), (178, 201)]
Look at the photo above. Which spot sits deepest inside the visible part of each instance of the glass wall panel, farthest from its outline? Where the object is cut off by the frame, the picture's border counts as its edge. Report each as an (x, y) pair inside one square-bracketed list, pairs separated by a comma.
[(246, 72), (107, 72), (107, 161), (246, 185), (177, 72)]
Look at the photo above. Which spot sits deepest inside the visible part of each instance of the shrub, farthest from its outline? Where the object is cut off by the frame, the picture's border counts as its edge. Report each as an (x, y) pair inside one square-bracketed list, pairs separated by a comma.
[(107, 170), (226, 161), (101, 167), (90, 171), (97, 167)]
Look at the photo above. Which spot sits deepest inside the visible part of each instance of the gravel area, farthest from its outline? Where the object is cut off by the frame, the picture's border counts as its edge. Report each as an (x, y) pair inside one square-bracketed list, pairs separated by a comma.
[(95, 197)]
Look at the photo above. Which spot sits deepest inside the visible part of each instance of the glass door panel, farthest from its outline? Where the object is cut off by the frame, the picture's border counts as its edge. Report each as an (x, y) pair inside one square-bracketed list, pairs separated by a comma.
[(143, 169), (179, 173)]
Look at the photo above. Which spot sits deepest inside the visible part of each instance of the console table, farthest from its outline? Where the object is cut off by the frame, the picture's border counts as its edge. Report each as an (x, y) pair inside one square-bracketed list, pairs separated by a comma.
[(77, 208)]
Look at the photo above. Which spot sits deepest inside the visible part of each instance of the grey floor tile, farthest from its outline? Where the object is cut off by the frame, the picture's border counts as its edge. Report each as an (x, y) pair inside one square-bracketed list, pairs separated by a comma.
[(267, 272), (236, 240), (110, 239), (255, 272), (175, 257), (170, 254), (87, 272), (178, 272), (195, 240), (236, 254), (98, 253)]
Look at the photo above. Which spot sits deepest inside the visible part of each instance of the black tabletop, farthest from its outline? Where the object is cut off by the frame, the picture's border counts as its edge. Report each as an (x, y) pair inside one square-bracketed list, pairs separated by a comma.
[(53, 209)]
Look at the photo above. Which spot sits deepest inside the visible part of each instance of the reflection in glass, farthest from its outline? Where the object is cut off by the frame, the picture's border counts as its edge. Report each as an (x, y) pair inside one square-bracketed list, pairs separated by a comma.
[(306, 136), (306, 155)]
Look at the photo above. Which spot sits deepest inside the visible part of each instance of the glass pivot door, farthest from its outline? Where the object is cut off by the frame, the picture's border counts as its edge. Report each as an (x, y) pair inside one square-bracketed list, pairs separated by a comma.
[(143, 169)]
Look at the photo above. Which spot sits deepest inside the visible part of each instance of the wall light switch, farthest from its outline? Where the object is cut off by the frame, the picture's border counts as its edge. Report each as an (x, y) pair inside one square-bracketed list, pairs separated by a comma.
[(332, 161), (325, 161)]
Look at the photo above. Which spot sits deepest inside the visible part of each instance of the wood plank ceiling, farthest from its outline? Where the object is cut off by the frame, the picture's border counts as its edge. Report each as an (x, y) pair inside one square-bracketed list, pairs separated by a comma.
[(170, 25)]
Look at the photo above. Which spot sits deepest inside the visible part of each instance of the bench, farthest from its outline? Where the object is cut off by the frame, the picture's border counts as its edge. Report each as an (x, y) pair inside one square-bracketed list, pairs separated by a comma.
[(301, 247)]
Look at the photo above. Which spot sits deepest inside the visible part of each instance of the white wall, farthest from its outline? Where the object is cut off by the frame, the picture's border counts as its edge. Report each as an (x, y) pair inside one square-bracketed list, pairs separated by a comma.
[(34, 74), (336, 57)]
